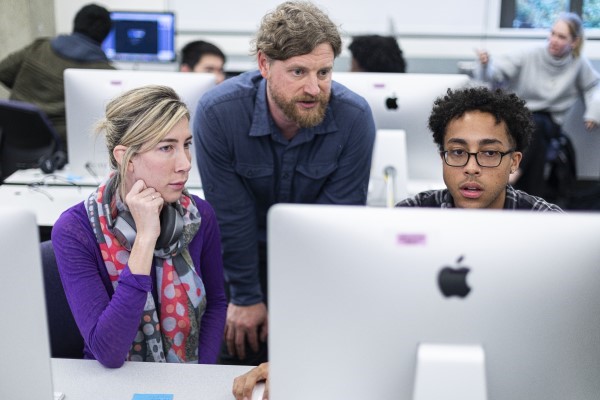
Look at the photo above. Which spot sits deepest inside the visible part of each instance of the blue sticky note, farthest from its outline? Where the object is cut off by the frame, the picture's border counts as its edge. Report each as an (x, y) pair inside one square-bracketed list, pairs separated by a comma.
[(150, 396)]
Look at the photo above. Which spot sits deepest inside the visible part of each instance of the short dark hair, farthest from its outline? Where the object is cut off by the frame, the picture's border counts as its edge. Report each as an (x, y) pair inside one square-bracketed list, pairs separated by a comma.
[(193, 52), (375, 53), (93, 21), (295, 28), (504, 106)]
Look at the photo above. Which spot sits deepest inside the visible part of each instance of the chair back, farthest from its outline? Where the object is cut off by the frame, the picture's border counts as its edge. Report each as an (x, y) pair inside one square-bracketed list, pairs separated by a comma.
[(26, 136), (65, 339)]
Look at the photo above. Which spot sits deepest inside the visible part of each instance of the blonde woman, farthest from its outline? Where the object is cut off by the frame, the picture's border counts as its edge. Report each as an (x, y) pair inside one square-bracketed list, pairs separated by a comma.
[(140, 260)]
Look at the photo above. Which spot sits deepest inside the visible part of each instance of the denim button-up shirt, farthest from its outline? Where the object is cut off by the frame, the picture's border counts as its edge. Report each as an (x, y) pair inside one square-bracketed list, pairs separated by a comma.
[(247, 165)]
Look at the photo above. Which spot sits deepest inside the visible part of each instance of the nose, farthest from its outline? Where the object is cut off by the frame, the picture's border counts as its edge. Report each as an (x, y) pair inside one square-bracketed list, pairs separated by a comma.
[(311, 85), (184, 161), (472, 168)]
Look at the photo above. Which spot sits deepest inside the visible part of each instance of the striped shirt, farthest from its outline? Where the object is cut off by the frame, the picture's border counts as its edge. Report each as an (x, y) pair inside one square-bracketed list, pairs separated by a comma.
[(515, 200)]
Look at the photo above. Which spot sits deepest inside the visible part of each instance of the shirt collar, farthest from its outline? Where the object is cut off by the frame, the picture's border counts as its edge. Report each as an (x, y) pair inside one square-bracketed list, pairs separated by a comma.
[(510, 199)]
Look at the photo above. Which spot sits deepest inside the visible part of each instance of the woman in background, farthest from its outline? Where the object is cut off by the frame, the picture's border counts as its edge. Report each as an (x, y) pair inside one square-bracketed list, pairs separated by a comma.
[(140, 260), (550, 79)]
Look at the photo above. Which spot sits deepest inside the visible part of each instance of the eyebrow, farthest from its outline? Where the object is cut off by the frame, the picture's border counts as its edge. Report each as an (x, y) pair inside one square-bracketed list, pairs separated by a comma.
[(297, 65), (169, 140), (481, 142)]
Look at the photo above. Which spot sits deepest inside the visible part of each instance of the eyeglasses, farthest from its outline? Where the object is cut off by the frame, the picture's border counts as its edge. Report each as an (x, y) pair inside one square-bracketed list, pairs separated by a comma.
[(486, 158)]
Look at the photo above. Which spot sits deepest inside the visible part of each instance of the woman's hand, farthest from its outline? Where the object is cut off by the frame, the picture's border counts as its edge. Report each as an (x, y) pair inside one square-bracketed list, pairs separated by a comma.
[(144, 204)]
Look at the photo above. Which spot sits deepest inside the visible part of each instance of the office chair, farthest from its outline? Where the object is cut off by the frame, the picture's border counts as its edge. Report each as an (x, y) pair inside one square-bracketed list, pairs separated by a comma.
[(27, 139), (65, 339)]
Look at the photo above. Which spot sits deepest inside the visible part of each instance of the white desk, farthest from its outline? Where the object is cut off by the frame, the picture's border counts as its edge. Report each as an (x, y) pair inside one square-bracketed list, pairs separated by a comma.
[(89, 380), (60, 191), (57, 178), (66, 177), (48, 195), (47, 202)]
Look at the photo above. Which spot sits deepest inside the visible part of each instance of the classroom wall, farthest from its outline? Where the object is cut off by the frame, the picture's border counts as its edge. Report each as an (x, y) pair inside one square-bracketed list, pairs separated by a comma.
[(435, 36)]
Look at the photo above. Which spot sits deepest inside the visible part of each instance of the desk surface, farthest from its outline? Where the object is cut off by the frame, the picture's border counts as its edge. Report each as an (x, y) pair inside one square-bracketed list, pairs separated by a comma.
[(48, 201), (66, 177), (89, 380), (49, 195), (58, 178)]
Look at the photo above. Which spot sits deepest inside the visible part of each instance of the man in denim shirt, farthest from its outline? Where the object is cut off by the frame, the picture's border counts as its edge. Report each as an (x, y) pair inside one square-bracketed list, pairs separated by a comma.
[(283, 134)]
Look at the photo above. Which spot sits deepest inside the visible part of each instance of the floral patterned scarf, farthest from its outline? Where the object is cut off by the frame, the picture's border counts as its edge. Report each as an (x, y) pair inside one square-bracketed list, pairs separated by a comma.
[(181, 296)]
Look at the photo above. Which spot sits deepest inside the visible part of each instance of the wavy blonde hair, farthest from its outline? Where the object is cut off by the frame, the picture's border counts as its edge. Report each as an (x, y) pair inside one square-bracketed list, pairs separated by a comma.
[(139, 119)]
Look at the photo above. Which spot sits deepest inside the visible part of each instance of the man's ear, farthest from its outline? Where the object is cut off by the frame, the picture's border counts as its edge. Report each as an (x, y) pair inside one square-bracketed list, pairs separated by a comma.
[(516, 158), (185, 68), (263, 64)]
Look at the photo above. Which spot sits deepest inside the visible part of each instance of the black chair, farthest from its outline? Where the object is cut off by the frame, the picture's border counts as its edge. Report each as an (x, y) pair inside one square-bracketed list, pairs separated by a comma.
[(27, 139), (65, 339)]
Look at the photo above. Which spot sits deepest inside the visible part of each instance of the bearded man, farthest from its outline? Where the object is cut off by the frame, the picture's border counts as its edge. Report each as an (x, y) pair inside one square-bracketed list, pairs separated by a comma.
[(284, 133)]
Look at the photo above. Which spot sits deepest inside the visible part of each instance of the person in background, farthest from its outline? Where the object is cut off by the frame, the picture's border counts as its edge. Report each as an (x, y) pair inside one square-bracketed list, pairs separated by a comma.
[(201, 56), (140, 260), (481, 135), (35, 73), (375, 53), (550, 79), (284, 133)]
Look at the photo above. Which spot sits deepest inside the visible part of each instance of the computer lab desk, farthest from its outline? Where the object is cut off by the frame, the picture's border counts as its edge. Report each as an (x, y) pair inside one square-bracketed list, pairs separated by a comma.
[(89, 380), (48, 195)]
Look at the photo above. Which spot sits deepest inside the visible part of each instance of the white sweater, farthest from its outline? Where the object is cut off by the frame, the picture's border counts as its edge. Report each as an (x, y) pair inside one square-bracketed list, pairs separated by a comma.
[(547, 83)]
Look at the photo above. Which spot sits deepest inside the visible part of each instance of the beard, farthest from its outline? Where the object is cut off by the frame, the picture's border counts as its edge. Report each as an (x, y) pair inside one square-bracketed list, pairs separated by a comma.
[(305, 118)]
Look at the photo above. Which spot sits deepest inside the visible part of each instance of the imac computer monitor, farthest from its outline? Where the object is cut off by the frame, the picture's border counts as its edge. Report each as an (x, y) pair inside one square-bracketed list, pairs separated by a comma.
[(87, 92), (422, 304), (404, 101), (24, 340), (141, 36)]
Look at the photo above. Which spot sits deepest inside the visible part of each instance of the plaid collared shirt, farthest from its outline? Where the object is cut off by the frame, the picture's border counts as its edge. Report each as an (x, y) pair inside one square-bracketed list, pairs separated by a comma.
[(515, 200)]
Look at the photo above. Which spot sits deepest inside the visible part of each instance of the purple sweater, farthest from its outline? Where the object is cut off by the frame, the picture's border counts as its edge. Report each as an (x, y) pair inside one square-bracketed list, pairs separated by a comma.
[(108, 320)]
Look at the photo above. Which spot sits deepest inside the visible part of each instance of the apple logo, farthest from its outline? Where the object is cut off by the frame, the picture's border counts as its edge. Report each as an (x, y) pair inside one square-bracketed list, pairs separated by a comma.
[(391, 103), (453, 281)]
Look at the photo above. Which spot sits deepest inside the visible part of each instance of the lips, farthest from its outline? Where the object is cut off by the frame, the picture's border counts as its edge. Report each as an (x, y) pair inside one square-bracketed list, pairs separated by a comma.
[(307, 103), (177, 185), (471, 190)]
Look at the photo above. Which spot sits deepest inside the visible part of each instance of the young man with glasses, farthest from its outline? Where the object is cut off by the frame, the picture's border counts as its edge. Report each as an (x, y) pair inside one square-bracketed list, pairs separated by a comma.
[(481, 135)]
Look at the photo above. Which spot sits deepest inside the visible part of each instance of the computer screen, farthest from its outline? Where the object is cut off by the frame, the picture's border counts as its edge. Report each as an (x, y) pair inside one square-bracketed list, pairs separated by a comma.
[(87, 92), (404, 101), (24, 341), (356, 294), (141, 36)]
